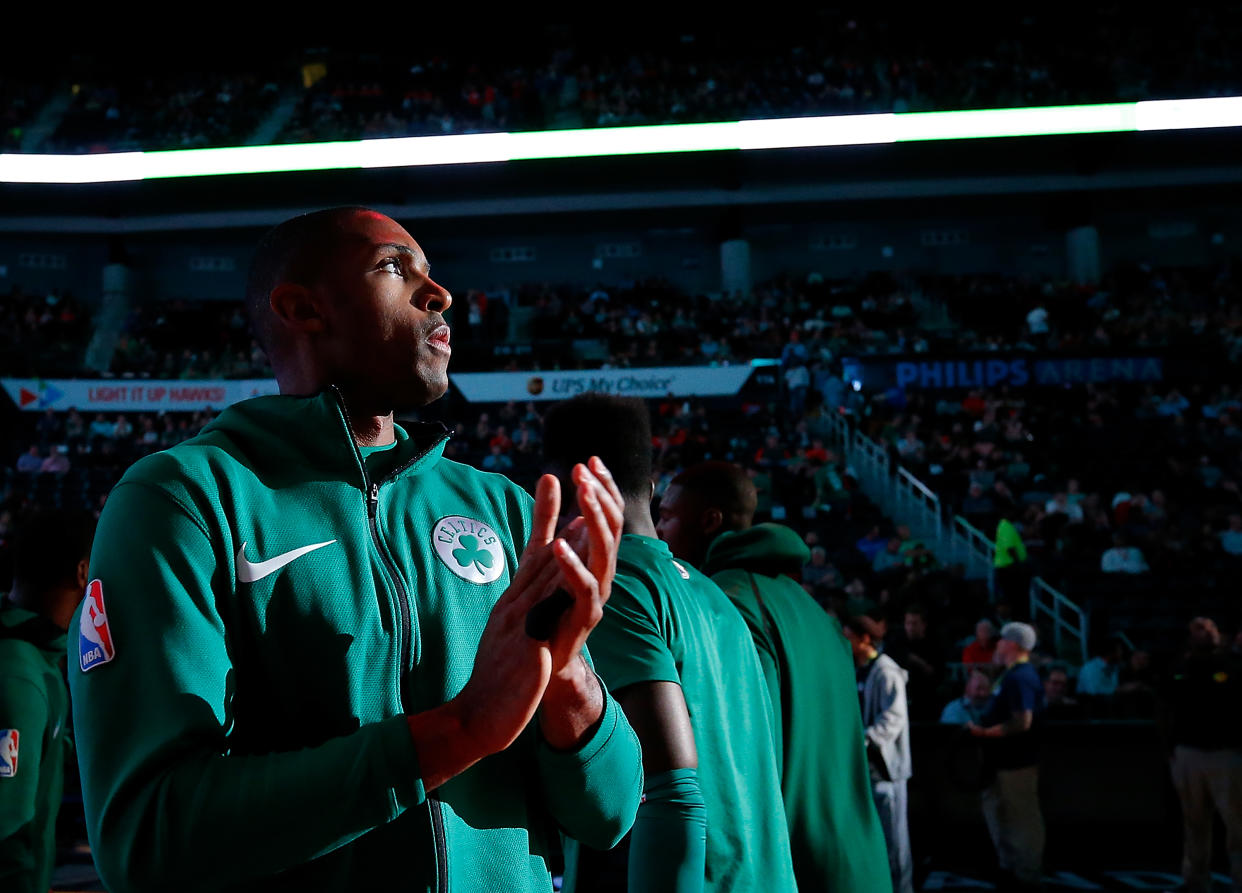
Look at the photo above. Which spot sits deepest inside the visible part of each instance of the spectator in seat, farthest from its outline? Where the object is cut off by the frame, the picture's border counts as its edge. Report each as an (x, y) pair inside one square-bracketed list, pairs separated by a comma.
[(55, 463), (75, 427), (1100, 676), (501, 439), (497, 460), (977, 504), (1231, 537), (982, 649), (1123, 558), (819, 571), (101, 428), (910, 448), (149, 437), (122, 429), (971, 705), (1203, 714), (1060, 504), (1058, 705), (30, 462), (48, 426), (871, 544), (890, 558)]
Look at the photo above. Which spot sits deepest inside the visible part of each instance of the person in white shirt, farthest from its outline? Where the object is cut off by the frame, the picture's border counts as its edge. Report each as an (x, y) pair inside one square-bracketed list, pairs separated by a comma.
[(1123, 559)]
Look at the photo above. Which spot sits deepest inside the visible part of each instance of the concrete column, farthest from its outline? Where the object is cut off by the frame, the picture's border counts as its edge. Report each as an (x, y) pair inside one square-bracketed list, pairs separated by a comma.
[(117, 292), (735, 266), (1082, 254)]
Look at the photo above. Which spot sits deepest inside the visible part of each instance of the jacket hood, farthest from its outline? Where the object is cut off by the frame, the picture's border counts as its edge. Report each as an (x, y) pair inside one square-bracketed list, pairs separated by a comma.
[(885, 664), (283, 432), (27, 626), (767, 549)]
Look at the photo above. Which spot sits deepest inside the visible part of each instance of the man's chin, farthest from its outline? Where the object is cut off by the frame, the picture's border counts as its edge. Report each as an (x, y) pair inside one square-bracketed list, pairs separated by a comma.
[(421, 393)]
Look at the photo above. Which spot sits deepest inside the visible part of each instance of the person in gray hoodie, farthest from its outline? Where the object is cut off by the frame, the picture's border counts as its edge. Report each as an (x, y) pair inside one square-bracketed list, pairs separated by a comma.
[(886, 722)]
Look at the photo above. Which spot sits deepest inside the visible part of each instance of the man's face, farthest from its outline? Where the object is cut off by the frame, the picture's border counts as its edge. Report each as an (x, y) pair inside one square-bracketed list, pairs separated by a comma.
[(984, 632), (860, 646), (1006, 652), (384, 335), (978, 687), (916, 627), (1204, 635), (680, 525), (1055, 686)]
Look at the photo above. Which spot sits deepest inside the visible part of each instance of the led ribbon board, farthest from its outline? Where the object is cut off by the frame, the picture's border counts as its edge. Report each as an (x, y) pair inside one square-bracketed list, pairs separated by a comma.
[(780, 133)]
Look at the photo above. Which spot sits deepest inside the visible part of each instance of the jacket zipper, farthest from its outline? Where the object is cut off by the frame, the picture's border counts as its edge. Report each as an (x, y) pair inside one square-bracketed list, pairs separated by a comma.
[(405, 636)]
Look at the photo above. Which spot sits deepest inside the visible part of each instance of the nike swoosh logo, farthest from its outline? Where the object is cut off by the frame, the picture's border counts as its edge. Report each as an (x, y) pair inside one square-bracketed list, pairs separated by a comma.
[(250, 572)]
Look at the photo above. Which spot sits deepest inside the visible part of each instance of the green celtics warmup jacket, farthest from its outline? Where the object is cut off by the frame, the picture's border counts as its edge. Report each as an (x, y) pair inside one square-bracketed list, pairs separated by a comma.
[(33, 707), (834, 830), (265, 606)]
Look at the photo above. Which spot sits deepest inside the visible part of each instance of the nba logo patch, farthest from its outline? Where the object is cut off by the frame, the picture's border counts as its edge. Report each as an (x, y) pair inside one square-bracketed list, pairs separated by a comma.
[(8, 753), (94, 637)]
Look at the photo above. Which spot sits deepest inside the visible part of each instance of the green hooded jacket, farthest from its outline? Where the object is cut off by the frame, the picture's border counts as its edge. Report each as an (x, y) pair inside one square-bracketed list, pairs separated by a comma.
[(265, 608), (834, 830), (33, 745)]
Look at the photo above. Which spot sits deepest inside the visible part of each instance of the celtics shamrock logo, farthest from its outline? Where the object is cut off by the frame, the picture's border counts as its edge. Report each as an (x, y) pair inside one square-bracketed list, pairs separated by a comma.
[(470, 553), (470, 549)]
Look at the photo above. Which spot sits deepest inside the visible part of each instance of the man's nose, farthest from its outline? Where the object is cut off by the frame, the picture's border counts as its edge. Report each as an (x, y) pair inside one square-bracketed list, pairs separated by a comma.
[(433, 296)]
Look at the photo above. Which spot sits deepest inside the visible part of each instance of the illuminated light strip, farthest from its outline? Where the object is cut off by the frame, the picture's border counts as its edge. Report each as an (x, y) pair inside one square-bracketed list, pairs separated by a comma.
[(991, 123), (475, 148), (1189, 114)]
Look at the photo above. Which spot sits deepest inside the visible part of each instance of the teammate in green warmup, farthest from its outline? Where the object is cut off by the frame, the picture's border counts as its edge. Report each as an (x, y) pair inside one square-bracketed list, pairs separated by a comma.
[(303, 660), (49, 575), (682, 664), (834, 829)]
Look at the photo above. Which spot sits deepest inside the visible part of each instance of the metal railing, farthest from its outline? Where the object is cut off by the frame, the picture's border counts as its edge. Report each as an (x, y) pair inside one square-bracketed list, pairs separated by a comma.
[(907, 500), (975, 551), (1068, 620)]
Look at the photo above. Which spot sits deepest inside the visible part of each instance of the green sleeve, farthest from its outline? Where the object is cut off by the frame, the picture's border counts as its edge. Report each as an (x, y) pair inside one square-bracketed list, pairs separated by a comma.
[(167, 805), (627, 644), (737, 585), (593, 792), (23, 706), (668, 849)]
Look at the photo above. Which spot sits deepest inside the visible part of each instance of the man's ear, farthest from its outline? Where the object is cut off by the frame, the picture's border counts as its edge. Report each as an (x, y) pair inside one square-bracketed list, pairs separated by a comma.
[(711, 520), (295, 308), (84, 567)]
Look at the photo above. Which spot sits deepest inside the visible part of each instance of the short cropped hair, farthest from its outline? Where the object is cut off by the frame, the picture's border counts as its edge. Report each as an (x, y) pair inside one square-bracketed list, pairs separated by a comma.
[(617, 429), (298, 251), (724, 486), (48, 546), (862, 625)]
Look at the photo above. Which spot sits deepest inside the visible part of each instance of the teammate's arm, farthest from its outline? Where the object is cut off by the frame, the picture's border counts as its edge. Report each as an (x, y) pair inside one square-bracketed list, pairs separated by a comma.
[(23, 707), (668, 846), (589, 761)]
